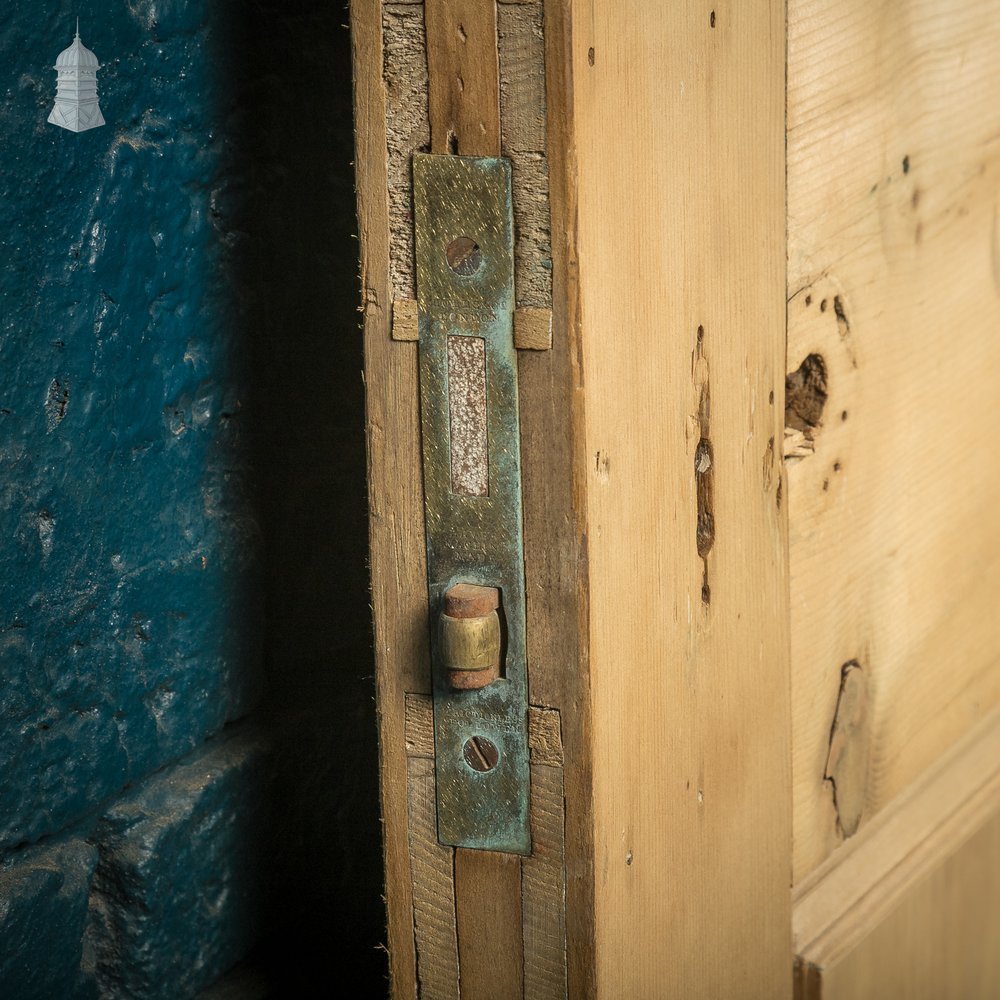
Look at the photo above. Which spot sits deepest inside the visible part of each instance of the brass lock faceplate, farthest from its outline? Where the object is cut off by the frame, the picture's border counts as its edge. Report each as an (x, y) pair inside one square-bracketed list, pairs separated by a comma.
[(472, 493)]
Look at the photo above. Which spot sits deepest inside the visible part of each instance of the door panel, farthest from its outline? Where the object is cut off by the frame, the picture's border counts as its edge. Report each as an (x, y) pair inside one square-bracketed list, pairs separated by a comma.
[(893, 151), (910, 906), (940, 943)]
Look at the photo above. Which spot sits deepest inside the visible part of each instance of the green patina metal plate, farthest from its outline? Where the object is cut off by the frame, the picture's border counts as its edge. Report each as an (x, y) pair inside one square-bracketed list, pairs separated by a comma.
[(472, 482)]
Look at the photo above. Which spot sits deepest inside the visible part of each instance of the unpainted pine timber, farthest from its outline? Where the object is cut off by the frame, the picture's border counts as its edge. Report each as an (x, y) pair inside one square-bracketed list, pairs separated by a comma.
[(554, 476), (893, 478), (941, 942), (522, 76), (544, 731), (523, 127), (490, 942), (532, 233), (405, 324), (550, 421), (543, 881), (419, 725), (433, 874), (545, 736), (396, 541), (464, 77), (543, 889), (910, 907), (679, 129), (847, 764)]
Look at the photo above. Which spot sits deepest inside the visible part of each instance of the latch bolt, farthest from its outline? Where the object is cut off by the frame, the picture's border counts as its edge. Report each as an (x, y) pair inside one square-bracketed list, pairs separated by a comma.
[(469, 631)]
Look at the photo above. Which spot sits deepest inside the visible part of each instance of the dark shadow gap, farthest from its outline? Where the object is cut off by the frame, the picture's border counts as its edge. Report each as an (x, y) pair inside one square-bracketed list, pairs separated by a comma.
[(285, 82)]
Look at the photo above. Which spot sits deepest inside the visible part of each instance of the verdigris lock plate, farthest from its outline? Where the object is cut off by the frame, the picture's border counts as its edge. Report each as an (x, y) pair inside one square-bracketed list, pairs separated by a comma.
[(472, 485)]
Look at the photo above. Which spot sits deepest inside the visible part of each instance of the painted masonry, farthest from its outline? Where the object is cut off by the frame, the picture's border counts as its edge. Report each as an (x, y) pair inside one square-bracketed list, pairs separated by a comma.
[(144, 267)]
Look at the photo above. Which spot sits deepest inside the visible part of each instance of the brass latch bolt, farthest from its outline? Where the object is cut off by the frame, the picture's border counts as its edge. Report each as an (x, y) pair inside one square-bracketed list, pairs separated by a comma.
[(469, 632)]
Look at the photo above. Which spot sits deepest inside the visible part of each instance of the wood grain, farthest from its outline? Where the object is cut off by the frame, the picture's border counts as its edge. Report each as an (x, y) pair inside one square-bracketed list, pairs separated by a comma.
[(651, 442), (433, 873), (941, 941), (463, 66), (464, 76), (488, 905), (543, 884), (894, 280), (521, 48), (523, 126), (398, 562), (910, 906), (533, 329), (545, 736), (554, 475), (552, 436), (679, 139), (405, 323), (419, 725), (532, 229), (543, 889), (544, 731), (853, 891)]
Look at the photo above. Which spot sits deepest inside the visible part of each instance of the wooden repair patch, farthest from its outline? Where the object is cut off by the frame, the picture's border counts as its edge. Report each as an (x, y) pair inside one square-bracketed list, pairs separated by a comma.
[(526, 895), (533, 329)]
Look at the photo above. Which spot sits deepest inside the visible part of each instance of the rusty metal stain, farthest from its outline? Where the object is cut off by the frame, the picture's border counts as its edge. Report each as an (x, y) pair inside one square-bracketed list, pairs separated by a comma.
[(467, 416), (465, 289)]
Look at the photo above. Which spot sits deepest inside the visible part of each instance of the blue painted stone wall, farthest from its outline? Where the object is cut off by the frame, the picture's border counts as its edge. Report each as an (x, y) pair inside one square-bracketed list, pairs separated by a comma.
[(43, 915), (182, 508), (128, 575)]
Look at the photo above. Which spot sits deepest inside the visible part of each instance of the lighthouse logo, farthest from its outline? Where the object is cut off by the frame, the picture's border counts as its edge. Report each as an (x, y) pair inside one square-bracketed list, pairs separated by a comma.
[(76, 106)]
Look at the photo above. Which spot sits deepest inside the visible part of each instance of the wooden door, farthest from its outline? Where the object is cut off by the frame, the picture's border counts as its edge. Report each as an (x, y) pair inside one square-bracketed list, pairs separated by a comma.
[(757, 272), (893, 152)]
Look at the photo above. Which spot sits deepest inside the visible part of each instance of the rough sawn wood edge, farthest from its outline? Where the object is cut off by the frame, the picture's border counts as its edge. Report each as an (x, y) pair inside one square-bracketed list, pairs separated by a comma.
[(396, 544), (552, 403)]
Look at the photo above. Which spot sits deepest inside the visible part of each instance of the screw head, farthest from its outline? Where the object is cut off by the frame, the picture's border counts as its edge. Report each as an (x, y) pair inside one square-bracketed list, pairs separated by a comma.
[(480, 754), (464, 256)]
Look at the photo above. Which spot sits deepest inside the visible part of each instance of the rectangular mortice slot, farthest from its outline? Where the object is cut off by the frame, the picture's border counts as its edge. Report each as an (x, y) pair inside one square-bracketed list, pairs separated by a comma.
[(470, 471)]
